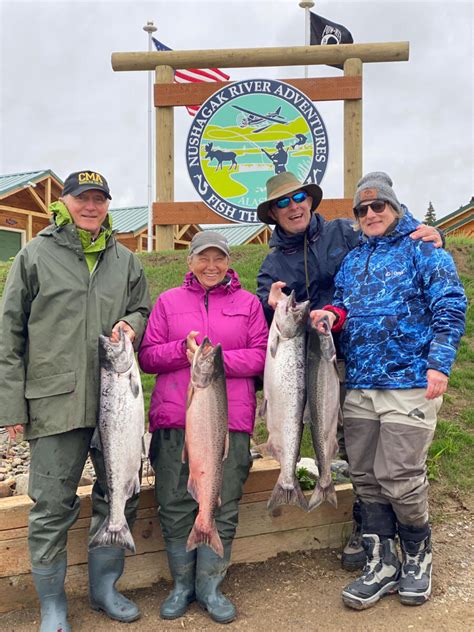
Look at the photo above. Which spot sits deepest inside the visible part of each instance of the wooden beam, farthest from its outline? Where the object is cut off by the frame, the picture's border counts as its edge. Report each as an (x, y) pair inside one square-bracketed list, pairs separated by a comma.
[(164, 160), (321, 89), (37, 198), (14, 209), (171, 213), (352, 133), (47, 193), (258, 57)]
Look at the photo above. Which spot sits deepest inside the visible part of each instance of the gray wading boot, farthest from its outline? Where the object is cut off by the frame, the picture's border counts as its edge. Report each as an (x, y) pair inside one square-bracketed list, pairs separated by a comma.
[(353, 556), (106, 566), (49, 584), (182, 566), (415, 581), (379, 577), (210, 572)]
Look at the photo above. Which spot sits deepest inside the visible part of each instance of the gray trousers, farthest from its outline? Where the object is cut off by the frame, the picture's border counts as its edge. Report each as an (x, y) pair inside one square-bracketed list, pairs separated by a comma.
[(56, 468), (388, 433), (177, 508)]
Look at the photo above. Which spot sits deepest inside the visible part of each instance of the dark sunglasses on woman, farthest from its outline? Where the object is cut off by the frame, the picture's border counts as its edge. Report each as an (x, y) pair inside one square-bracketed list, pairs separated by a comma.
[(296, 197), (377, 206)]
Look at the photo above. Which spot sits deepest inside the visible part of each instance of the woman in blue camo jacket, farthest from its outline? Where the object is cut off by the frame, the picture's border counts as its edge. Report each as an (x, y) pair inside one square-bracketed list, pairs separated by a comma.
[(401, 307)]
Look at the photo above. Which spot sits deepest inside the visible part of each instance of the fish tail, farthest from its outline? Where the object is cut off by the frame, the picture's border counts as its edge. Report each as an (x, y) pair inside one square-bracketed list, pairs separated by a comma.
[(321, 494), (284, 496), (209, 536), (121, 538)]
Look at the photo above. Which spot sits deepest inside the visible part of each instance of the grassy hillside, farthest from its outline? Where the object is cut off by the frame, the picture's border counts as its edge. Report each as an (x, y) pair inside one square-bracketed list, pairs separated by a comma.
[(451, 460)]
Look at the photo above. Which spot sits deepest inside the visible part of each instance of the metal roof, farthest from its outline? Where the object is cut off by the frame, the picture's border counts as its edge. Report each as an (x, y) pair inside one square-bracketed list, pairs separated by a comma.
[(459, 211), (13, 181), (236, 234), (129, 219)]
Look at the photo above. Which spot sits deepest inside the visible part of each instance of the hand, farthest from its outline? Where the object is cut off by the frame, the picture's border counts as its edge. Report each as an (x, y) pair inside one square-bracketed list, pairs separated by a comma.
[(276, 294), (191, 345), (127, 330), (437, 384), (14, 430), (428, 233), (317, 316)]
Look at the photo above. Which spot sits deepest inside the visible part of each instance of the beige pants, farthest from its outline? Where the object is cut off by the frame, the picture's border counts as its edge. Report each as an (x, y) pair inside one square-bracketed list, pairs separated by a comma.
[(387, 435)]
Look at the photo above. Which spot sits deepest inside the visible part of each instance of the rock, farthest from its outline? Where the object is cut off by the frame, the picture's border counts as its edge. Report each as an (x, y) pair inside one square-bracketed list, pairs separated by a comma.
[(17, 461), (309, 465), (21, 485), (2, 477), (6, 488)]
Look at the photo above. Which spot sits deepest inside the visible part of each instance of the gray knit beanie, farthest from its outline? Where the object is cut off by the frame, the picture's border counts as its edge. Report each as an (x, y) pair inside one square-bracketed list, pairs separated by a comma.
[(377, 185)]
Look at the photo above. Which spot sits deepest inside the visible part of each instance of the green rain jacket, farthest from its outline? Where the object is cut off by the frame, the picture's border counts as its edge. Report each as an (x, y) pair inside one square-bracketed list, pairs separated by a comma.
[(51, 315)]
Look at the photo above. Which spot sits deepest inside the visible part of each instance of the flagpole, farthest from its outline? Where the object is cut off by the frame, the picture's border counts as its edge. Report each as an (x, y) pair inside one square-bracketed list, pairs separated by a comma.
[(307, 5), (150, 28)]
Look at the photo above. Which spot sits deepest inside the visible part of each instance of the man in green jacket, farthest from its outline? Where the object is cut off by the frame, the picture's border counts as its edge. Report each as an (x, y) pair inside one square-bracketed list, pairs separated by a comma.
[(67, 286)]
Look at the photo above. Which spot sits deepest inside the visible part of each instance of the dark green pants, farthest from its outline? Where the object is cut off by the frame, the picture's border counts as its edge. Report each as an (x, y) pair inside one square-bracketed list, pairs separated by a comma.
[(177, 508), (56, 467)]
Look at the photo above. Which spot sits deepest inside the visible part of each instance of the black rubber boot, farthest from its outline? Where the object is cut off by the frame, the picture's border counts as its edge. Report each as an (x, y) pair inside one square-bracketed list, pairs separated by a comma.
[(49, 584), (379, 577), (182, 566), (353, 556), (106, 566), (210, 572), (417, 557)]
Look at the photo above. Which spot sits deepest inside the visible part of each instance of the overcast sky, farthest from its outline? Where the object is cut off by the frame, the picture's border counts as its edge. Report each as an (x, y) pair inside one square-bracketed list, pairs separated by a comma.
[(63, 107)]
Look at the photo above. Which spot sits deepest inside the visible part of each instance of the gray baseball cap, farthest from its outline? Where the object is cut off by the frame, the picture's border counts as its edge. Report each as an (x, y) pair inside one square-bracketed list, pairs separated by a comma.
[(208, 239)]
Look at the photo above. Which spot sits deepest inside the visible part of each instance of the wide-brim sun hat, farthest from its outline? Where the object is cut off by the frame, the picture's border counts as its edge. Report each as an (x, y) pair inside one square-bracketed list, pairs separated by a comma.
[(283, 184)]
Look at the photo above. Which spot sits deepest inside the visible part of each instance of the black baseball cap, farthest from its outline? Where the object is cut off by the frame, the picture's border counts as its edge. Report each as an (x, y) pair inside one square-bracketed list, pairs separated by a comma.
[(80, 181)]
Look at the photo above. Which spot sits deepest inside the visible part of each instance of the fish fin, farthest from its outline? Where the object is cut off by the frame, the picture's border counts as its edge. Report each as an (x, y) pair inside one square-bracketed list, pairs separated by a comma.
[(96, 443), (189, 396), (209, 537), (282, 496), (226, 447), (134, 385), (274, 345), (307, 414), (192, 489), (135, 486), (263, 407), (105, 537), (321, 494)]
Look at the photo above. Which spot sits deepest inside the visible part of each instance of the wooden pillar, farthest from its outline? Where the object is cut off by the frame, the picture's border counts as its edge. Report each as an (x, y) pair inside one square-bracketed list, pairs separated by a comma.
[(352, 133), (164, 160), (29, 228)]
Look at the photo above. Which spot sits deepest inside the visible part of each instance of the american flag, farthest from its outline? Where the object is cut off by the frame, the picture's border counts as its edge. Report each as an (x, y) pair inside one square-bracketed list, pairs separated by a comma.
[(193, 75)]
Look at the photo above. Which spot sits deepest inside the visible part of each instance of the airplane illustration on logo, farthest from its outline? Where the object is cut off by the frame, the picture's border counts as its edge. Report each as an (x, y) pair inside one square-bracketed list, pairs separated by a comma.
[(254, 119)]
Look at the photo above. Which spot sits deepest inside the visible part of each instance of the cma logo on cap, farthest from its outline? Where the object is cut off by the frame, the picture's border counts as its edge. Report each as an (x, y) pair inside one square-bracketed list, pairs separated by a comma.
[(89, 176)]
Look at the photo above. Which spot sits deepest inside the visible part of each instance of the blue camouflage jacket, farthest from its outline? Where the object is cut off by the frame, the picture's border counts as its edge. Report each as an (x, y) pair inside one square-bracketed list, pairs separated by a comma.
[(406, 310)]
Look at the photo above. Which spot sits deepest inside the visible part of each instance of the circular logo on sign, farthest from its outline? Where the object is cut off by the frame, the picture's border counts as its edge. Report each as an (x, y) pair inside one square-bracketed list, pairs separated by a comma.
[(247, 132)]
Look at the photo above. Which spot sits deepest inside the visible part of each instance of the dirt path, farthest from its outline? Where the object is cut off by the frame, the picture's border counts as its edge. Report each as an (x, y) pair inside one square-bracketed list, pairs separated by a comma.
[(301, 592)]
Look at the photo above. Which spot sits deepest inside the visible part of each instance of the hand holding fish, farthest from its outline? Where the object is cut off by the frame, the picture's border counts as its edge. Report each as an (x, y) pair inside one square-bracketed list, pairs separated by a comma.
[(191, 345), (317, 316), (14, 430), (127, 330), (276, 294)]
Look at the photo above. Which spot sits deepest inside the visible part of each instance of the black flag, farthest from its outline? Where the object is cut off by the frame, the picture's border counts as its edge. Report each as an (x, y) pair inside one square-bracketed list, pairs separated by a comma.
[(324, 32)]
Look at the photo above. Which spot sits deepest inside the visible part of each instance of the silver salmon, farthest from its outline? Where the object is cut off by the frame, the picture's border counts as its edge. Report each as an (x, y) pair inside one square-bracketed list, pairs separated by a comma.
[(324, 407), (119, 434), (206, 442), (284, 397)]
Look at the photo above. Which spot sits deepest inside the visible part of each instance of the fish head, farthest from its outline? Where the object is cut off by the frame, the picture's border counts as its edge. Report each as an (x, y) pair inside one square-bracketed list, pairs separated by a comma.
[(321, 342), (291, 316), (208, 364), (116, 356)]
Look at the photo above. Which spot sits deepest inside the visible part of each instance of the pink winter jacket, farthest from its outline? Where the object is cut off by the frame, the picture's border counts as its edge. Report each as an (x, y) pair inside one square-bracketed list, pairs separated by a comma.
[(226, 314)]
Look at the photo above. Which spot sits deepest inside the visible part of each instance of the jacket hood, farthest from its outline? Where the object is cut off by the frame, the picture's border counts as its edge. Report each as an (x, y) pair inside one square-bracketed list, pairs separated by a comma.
[(280, 239), (230, 284), (62, 217)]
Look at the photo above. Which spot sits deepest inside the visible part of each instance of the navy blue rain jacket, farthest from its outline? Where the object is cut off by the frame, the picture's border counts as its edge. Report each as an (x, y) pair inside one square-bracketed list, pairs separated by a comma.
[(406, 310)]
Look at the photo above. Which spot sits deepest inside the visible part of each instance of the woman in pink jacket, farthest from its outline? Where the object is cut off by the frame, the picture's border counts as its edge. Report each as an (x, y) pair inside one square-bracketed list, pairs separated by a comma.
[(210, 303)]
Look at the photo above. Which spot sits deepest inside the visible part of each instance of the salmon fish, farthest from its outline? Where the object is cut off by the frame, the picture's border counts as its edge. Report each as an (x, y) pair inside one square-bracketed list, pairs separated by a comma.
[(206, 442), (325, 410), (119, 435), (284, 397)]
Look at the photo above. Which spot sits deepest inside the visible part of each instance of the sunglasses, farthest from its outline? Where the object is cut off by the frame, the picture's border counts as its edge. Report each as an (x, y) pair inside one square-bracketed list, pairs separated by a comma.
[(296, 197), (377, 207)]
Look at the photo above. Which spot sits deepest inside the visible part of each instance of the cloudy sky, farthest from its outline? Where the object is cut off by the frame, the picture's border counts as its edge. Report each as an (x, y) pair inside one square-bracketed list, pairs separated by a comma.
[(63, 107)]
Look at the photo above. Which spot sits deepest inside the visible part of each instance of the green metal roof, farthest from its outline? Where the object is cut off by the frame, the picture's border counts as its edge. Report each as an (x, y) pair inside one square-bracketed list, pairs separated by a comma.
[(462, 222), (129, 219), (460, 210), (14, 181), (236, 234)]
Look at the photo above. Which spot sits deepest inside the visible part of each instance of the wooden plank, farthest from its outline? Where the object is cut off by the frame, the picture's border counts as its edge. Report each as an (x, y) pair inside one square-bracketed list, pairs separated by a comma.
[(317, 89), (170, 213), (352, 133), (259, 57)]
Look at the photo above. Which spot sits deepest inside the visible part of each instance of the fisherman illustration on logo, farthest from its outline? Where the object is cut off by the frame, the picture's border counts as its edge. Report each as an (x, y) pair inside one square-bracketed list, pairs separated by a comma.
[(243, 134)]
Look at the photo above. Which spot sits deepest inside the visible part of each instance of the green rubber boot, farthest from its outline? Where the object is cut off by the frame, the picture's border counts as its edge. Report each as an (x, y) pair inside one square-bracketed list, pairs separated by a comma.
[(183, 571), (210, 572), (49, 584)]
